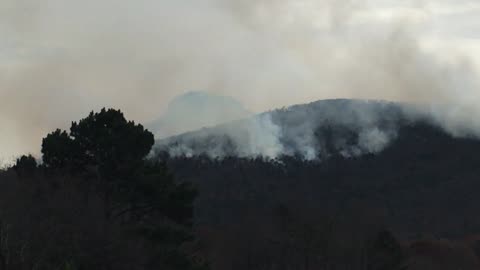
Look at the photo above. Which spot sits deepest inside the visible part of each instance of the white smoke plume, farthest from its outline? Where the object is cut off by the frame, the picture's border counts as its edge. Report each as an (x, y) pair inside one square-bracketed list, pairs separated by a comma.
[(314, 131), (62, 58), (254, 137)]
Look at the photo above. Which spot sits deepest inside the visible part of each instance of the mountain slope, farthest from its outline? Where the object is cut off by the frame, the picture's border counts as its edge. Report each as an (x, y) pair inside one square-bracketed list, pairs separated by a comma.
[(316, 130), (412, 173), (423, 182), (407, 176)]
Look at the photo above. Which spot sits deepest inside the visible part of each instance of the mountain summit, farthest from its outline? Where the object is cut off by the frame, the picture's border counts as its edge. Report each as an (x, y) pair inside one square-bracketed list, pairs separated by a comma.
[(195, 110)]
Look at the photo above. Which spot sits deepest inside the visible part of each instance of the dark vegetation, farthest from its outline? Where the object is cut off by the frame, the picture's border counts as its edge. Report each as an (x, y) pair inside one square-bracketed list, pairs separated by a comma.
[(422, 187), (422, 177), (97, 202), (326, 215)]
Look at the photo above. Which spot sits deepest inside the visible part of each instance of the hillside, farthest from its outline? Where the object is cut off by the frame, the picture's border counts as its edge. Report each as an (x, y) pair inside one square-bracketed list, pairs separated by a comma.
[(424, 182), (316, 130), (414, 175), (374, 166)]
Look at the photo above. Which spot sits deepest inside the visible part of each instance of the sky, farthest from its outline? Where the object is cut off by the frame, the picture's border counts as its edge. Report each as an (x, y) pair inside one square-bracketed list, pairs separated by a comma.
[(60, 59)]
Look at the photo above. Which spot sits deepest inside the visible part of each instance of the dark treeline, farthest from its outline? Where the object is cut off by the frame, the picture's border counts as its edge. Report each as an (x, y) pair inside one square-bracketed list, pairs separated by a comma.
[(97, 202)]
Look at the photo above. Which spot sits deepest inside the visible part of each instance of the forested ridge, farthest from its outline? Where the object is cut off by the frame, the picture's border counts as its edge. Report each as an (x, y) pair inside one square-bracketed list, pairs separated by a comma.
[(423, 187), (99, 199)]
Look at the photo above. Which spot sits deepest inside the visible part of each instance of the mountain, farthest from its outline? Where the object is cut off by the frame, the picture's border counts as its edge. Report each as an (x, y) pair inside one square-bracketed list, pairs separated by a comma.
[(321, 178), (195, 110), (425, 181), (316, 130), (345, 167)]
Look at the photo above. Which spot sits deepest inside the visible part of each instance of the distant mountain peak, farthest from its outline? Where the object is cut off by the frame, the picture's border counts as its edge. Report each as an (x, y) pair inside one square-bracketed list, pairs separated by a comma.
[(197, 109), (205, 101)]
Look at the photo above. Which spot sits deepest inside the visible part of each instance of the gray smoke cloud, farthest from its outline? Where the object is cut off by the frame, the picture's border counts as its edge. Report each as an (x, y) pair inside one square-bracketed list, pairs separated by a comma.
[(63, 58), (314, 131)]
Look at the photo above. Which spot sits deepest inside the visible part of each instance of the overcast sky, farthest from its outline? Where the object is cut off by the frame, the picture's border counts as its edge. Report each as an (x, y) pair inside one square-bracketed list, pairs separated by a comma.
[(59, 59)]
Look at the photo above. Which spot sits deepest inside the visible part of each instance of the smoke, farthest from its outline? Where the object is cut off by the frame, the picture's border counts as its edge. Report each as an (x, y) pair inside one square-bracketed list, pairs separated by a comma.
[(63, 58), (314, 131), (253, 137), (373, 140)]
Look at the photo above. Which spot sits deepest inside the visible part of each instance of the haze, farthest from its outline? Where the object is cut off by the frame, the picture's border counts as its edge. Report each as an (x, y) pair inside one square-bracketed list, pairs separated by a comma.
[(60, 59)]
